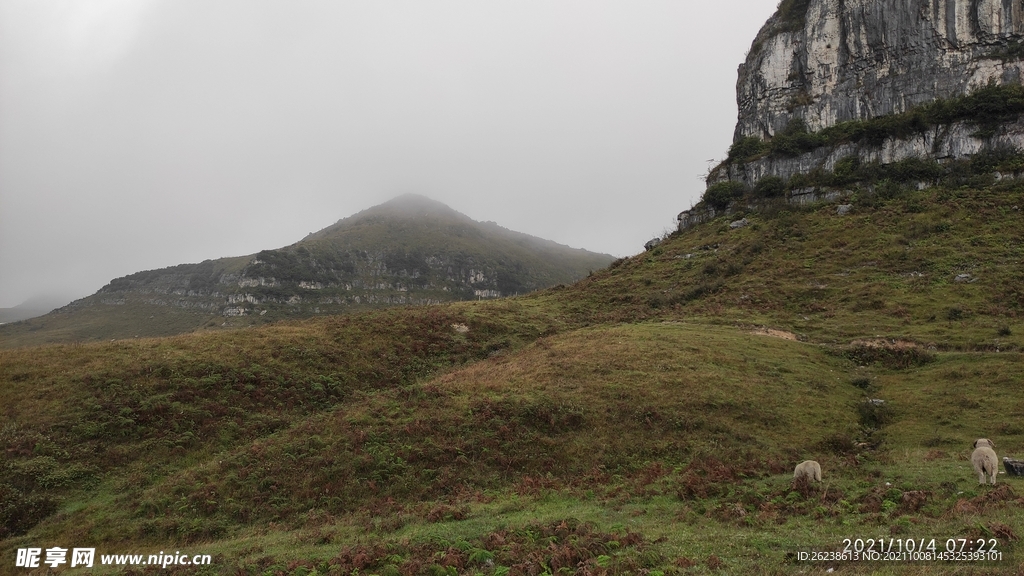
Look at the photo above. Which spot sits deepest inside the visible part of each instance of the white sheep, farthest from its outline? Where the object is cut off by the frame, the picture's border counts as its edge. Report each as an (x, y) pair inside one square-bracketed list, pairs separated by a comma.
[(984, 460), (808, 469)]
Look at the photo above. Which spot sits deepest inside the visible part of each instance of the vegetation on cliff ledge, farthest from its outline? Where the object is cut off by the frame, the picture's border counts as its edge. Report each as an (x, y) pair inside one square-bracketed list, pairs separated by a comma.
[(792, 15), (890, 179), (986, 108)]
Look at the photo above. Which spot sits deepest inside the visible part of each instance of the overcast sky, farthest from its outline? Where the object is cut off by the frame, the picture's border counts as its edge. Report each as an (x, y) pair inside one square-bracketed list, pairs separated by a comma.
[(139, 134)]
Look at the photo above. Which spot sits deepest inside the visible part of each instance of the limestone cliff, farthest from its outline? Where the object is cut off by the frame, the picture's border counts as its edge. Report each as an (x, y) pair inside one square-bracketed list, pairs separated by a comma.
[(828, 61), (839, 94)]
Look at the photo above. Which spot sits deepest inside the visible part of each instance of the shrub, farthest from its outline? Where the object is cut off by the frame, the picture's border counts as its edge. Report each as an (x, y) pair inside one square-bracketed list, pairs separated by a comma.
[(747, 148), (721, 194), (874, 415), (846, 171), (1002, 159), (19, 512), (839, 443), (862, 382), (792, 14), (770, 187), (796, 140), (909, 170), (894, 357)]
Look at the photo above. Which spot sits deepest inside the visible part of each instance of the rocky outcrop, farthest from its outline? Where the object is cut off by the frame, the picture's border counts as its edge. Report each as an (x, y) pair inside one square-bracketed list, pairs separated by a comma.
[(830, 86), (704, 213), (940, 143), (829, 61)]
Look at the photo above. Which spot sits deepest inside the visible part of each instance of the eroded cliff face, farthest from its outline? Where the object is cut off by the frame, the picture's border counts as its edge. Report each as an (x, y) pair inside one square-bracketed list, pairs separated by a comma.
[(858, 59), (932, 82), (943, 143)]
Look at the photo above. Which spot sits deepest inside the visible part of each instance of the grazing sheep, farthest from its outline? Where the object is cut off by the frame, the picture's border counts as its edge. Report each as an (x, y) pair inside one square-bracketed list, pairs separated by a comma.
[(808, 469), (984, 460)]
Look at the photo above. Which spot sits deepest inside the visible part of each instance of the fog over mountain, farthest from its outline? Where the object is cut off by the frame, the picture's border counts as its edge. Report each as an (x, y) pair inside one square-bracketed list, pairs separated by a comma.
[(139, 134), (409, 251)]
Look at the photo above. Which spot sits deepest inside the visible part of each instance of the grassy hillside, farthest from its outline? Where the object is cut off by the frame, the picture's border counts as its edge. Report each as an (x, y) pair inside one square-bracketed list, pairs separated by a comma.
[(645, 420), (940, 267), (408, 251)]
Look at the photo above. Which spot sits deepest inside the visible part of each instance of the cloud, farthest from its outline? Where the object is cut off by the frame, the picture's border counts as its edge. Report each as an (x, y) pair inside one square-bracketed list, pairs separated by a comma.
[(60, 38), (141, 134)]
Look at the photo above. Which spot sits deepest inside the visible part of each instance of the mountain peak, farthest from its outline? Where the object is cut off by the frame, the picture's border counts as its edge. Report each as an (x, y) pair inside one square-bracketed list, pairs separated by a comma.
[(405, 207), (411, 205), (410, 250)]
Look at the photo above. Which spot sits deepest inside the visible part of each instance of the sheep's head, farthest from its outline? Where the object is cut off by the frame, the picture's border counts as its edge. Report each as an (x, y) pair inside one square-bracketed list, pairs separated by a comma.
[(984, 442)]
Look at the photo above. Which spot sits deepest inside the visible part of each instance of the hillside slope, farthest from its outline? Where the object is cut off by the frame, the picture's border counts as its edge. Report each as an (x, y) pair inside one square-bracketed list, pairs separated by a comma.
[(940, 267), (410, 250), (643, 420)]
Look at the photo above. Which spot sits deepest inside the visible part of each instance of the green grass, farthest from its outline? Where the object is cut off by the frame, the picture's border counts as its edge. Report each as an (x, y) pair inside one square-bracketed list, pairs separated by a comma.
[(644, 420), (886, 270)]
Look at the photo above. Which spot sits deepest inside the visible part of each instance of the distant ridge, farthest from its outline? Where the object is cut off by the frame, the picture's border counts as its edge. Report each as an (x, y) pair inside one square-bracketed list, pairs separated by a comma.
[(410, 250), (31, 308)]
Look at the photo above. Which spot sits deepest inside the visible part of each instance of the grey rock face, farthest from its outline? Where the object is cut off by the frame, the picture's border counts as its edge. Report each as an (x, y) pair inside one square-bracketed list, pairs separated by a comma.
[(953, 142), (695, 216), (1013, 467), (704, 213), (858, 59)]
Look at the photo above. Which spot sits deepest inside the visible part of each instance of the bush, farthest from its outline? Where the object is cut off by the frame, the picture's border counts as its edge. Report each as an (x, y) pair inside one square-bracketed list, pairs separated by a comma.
[(721, 194), (19, 512), (770, 187), (792, 14), (893, 357), (910, 169), (862, 382), (1001, 160), (795, 140), (874, 415), (747, 148), (846, 171)]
